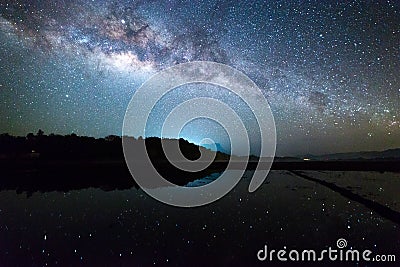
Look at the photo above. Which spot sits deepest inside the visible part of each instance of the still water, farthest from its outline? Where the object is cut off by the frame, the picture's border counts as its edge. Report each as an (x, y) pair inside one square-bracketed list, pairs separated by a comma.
[(92, 227)]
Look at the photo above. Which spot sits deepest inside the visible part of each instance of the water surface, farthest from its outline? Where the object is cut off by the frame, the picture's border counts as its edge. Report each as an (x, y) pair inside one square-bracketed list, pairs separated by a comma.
[(92, 227)]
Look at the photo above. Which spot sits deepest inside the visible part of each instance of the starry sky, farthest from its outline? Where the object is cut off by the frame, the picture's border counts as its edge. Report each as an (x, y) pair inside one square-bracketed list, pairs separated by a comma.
[(330, 71)]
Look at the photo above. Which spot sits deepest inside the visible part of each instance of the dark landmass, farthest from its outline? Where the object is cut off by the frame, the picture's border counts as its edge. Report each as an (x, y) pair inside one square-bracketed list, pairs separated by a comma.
[(389, 154), (354, 165), (54, 162)]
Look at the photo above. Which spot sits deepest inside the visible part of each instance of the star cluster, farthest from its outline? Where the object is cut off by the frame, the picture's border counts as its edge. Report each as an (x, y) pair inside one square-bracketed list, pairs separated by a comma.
[(330, 71)]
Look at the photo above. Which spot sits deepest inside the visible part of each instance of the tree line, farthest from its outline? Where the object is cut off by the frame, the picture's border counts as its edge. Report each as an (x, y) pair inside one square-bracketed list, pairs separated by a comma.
[(72, 146)]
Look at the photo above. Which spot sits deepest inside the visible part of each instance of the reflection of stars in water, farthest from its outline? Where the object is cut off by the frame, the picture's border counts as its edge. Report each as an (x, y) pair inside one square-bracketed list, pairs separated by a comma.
[(122, 227), (329, 71)]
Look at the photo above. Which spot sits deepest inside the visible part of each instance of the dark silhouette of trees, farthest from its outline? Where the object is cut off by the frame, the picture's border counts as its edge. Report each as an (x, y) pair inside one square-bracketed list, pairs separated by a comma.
[(74, 147), (56, 162), (40, 133)]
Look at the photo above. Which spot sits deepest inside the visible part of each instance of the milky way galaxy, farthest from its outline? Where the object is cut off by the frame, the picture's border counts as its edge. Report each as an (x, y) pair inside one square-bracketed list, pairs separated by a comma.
[(330, 71)]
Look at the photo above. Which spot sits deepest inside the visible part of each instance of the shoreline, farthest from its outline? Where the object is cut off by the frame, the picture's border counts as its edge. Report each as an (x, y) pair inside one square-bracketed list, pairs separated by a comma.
[(65, 175)]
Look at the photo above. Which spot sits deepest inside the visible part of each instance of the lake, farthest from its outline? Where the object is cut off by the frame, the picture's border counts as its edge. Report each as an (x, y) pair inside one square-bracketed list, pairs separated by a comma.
[(92, 227)]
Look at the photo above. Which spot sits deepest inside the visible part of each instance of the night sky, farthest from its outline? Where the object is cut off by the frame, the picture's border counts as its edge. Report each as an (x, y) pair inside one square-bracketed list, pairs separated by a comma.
[(330, 71)]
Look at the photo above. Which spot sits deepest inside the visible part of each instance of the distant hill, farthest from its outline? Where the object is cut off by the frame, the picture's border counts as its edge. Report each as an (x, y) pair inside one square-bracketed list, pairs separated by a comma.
[(218, 147), (390, 154)]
